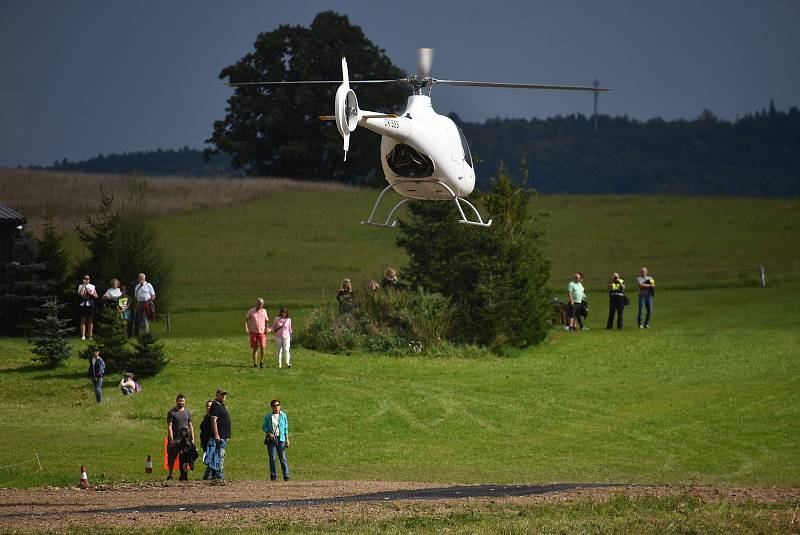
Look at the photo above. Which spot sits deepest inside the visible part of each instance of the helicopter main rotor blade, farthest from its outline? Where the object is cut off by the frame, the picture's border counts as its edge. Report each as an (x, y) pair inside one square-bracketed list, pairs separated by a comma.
[(299, 82), (521, 86)]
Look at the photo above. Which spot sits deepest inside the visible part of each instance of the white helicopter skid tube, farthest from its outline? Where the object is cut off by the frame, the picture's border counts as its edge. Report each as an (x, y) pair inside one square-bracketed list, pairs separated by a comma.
[(458, 200)]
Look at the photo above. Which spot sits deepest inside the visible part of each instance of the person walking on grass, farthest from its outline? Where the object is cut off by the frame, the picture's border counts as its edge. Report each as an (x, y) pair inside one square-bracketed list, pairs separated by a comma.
[(283, 336), (178, 417), (276, 426), (88, 294), (647, 289), (97, 369), (256, 324), (214, 457), (616, 300), (576, 295)]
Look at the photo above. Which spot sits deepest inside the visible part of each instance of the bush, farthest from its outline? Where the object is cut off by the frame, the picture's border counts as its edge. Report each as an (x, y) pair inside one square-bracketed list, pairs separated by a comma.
[(389, 321)]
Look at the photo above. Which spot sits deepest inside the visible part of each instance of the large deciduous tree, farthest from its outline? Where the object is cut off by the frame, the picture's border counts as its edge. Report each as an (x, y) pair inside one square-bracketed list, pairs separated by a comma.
[(275, 130)]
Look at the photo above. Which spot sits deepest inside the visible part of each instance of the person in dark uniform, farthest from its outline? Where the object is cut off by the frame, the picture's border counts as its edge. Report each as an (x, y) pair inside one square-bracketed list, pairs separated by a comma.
[(616, 300)]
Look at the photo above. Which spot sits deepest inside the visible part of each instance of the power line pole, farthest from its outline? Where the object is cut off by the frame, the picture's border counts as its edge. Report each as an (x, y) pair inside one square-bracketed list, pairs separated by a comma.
[(595, 84)]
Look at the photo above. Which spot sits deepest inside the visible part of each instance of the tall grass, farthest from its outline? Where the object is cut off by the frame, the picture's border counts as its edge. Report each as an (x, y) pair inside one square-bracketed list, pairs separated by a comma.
[(68, 197)]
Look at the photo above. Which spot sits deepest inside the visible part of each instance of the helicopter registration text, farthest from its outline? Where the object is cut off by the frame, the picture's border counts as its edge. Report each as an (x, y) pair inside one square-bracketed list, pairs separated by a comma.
[(391, 123)]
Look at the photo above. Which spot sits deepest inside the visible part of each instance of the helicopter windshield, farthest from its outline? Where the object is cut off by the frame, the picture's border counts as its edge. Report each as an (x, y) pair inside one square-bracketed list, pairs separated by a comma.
[(407, 162), (465, 146)]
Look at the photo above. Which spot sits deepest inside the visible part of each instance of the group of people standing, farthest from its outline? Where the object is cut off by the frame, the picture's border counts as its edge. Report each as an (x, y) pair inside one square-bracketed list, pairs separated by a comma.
[(346, 298), (215, 432), (257, 326), (117, 296), (577, 308)]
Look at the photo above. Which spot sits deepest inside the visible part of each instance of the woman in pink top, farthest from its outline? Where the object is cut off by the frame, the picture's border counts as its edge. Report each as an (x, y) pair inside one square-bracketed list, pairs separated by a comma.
[(282, 327)]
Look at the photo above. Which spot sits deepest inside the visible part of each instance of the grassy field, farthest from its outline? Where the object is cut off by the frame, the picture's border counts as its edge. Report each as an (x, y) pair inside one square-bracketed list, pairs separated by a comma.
[(225, 257), (709, 395)]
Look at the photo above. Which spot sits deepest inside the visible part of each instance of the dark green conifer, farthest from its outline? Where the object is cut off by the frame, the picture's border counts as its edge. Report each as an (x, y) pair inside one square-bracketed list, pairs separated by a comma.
[(50, 334)]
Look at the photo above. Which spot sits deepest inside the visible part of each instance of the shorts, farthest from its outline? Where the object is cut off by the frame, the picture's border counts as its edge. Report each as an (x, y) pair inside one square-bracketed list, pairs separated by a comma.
[(87, 313), (258, 340)]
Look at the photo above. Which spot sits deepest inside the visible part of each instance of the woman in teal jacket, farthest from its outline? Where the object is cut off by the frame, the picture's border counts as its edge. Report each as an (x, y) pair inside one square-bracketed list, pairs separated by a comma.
[(276, 426)]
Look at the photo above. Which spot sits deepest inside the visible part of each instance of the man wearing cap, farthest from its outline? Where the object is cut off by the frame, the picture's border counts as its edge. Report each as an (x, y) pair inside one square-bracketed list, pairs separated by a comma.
[(220, 434)]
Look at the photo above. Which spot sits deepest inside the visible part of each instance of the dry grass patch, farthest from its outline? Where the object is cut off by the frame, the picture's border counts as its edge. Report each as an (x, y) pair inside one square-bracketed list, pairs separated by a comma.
[(68, 197)]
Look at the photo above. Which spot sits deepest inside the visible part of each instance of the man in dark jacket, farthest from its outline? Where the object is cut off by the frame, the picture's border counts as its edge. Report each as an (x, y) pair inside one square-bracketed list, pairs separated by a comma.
[(97, 369)]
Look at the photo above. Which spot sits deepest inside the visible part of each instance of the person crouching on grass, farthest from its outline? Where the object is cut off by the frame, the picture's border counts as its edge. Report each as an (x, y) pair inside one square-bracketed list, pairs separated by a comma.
[(256, 324), (283, 336), (276, 426)]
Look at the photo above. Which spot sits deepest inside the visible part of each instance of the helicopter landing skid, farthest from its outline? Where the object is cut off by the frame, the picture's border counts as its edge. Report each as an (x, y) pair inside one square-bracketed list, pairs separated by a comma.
[(458, 200)]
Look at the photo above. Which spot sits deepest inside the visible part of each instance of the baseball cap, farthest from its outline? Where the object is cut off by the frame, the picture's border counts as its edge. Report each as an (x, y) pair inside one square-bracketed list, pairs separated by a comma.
[(221, 391)]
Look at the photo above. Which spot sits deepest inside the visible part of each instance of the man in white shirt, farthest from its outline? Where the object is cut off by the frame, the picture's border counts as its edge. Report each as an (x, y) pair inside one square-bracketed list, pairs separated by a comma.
[(145, 297), (88, 294)]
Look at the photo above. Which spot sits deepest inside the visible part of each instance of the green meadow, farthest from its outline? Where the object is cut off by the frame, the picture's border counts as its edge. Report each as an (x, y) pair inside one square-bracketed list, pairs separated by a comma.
[(709, 395)]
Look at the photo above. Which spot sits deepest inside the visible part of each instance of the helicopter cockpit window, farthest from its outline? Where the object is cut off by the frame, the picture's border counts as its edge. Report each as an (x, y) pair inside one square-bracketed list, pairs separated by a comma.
[(465, 146), (407, 162)]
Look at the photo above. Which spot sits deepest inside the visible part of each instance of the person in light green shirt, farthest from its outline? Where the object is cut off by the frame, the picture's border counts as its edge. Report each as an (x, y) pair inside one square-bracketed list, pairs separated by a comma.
[(576, 295)]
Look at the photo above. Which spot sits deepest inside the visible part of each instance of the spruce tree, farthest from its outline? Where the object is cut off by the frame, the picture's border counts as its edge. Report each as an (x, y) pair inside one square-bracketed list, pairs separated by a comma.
[(111, 338), (494, 277), (148, 357), (50, 334), (56, 274)]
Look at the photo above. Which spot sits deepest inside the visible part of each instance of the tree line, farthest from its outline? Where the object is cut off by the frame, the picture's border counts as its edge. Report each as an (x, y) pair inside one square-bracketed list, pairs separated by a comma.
[(757, 155)]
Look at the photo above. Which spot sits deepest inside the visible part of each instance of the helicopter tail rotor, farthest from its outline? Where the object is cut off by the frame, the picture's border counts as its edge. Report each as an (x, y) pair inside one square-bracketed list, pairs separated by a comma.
[(346, 106)]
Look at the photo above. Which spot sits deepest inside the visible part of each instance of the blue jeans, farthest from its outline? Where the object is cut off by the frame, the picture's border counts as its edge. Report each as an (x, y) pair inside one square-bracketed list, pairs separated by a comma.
[(645, 301), (276, 447), (215, 459), (98, 389)]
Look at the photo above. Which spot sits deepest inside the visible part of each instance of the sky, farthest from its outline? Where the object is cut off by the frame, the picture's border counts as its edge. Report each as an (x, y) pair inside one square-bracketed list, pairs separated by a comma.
[(81, 77)]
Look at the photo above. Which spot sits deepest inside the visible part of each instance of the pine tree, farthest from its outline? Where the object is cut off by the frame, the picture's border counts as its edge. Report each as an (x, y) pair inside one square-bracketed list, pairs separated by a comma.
[(494, 277), (148, 357), (56, 273), (50, 334), (26, 289), (111, 338)]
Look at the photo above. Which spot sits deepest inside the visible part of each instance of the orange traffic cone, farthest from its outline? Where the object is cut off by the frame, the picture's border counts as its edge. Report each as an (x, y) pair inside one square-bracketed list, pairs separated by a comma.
[(84, 478), (148, 466)]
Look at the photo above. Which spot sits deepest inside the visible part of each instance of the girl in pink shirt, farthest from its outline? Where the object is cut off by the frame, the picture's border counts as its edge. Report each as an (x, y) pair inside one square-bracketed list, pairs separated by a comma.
[(282, 327)]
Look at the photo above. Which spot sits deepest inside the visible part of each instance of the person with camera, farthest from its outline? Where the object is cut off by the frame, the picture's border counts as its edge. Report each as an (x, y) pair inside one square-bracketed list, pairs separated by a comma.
[(178, 417), (616, 300), (145, 296), (276, 426), (647, 289), (88, 294)]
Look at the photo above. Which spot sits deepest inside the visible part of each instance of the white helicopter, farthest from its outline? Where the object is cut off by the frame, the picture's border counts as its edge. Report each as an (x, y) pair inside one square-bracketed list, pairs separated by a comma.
[(424, 155)]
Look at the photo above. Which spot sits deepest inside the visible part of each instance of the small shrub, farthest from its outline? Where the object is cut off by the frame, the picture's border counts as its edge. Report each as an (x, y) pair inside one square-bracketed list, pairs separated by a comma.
[(395, 322), (148, 357)]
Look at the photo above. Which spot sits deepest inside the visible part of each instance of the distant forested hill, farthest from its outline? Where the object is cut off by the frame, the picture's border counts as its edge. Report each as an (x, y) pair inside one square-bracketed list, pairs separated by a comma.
[(755, 156), (180, 162)]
